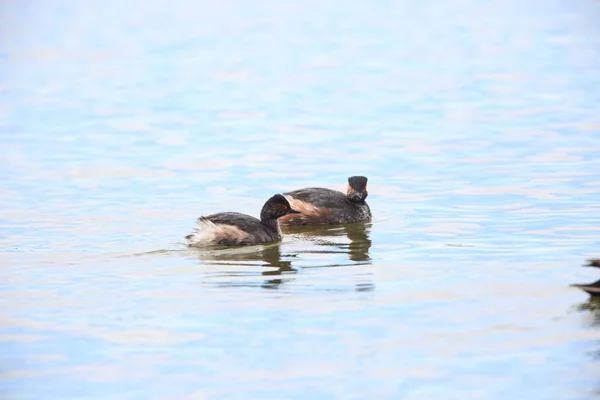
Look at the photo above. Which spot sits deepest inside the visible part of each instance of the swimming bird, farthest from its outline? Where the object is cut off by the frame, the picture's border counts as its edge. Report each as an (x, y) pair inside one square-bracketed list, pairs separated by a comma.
[(320, 206), (236, 229), (592, 288), (593, 263)]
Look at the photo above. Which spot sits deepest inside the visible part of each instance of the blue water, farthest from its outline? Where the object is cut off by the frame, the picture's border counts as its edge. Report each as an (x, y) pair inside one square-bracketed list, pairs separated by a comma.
[(477, 123)]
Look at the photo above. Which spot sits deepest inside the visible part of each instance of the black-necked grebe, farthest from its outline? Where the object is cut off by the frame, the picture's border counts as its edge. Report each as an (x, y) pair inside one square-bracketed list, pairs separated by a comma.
[(593, 263), (236, 229), (593, 288), (320, 206)]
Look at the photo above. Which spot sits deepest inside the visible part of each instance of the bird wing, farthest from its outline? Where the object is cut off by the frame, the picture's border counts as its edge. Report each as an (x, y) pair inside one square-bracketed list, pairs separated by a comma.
[(319, 197), (242, 221)]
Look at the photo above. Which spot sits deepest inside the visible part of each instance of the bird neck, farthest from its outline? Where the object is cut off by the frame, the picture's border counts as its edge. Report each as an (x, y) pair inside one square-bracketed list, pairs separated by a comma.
[(270, 222)]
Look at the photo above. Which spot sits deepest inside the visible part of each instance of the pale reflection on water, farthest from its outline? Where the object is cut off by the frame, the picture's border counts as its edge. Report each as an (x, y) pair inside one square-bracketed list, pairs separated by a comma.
[(477, 124)]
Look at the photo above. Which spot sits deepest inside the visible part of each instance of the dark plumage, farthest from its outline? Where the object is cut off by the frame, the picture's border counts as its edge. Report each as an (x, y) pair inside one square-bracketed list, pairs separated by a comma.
[(593, 263), (592, 288), (320, 206), (236, 229)]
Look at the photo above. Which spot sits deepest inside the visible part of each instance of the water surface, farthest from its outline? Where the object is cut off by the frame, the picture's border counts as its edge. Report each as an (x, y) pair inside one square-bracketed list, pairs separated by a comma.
[(477, 124)]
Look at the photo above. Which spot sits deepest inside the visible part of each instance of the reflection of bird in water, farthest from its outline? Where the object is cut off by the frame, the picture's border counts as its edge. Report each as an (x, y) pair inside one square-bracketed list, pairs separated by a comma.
[(358, 234), (592, 306), (351, 239), (272, 256), (592, 288), (267, 256)]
